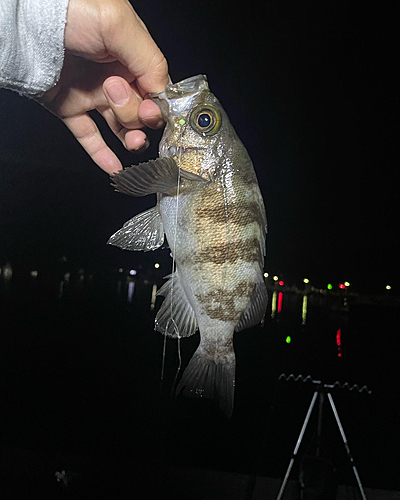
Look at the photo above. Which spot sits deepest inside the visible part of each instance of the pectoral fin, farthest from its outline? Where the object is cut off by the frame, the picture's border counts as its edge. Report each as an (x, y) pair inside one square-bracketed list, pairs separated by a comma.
[(176, 316), (145, 232), (154, 176), (255, 311)]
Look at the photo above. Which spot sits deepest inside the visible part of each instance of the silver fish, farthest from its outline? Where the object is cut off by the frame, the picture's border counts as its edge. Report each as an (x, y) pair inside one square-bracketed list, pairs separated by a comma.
[(211, 210)]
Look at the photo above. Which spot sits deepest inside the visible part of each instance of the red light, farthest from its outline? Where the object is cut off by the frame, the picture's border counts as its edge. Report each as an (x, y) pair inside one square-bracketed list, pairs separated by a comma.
[(280, 299), (342, 286), (339, 341), (281, 283)]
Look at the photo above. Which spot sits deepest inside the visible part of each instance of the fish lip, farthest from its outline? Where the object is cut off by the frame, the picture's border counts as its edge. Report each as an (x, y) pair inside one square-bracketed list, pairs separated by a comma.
[(188, 86), (180, 150)]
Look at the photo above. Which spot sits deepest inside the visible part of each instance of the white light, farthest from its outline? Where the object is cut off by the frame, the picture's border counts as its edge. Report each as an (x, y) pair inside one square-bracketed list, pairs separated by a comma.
[(388, 287), (346, 283), (133, 272), (266, 275), (306, 280), (156, 265), (275, 278), (34, 274)]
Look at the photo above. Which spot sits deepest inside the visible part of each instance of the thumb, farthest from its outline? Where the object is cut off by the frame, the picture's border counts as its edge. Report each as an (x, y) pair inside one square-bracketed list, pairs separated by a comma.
[(128, 108)]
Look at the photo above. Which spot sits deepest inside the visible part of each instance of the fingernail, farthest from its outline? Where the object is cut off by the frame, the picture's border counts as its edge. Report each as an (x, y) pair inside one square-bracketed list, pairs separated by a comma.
[(153, 122), (117, 93), (144, 146)]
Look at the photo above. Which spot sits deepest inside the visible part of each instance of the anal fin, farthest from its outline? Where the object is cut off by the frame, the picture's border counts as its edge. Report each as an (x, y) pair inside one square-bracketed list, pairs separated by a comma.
[(176, 317)]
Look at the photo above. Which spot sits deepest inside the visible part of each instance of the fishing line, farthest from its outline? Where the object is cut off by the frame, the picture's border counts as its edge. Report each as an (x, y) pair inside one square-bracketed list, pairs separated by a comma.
[(227, 238), (173, 277), (179, 365), (174, 263), (163, 362)]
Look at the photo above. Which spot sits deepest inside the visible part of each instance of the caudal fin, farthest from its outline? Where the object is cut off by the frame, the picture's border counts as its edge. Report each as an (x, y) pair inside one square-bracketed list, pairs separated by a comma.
[(211, 379)]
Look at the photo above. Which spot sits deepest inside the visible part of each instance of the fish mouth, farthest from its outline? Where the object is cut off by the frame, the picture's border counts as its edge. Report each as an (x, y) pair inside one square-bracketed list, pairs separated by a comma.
[(187, 87), (180, 150)]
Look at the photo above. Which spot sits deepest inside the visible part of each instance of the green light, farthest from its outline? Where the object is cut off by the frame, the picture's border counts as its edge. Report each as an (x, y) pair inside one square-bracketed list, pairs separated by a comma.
[(275, 278), (329, 286), (306, 280), (346, 283), (181, 121), (388, 287), (288, 339)]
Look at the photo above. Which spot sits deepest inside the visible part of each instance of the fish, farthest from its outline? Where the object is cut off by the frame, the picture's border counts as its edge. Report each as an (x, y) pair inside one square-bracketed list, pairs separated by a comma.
[(211, 211)]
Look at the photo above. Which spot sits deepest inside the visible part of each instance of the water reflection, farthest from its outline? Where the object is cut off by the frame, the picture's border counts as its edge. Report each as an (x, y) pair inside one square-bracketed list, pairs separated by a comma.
[(290, 313), (304, 310), (131, 291), (277, 303), (273, 304), (339, 341), (153, 297), (280, 301), (289, 306), (6, 272), (63, 285)]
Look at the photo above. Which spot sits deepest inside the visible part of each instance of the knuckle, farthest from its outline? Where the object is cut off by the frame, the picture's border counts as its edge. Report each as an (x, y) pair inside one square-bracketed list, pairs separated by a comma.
[(128, 117), (113, 14)]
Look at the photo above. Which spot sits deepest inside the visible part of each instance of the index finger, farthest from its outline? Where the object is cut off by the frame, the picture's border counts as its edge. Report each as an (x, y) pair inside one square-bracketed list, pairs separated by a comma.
[(86, 132)]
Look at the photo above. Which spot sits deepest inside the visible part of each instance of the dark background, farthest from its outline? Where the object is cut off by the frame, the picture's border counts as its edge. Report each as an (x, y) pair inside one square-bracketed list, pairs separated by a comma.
[(308, 87)]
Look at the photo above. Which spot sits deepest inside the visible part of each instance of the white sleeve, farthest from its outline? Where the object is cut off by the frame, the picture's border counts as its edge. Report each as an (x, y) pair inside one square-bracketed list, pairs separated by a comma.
[(31, 44)]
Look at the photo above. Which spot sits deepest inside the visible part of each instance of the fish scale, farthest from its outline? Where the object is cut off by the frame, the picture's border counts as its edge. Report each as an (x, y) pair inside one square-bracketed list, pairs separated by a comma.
[(211, 211)]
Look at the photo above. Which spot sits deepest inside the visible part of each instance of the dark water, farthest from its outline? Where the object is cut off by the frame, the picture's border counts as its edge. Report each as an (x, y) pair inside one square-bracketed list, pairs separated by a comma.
[(80, 374)]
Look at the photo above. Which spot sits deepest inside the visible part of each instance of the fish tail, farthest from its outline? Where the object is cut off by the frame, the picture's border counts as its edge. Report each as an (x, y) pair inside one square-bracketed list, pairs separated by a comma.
[(205, 377)]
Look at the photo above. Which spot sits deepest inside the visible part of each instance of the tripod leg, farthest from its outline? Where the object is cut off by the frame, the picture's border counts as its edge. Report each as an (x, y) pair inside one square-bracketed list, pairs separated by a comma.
[(346, 445), (296, 449)]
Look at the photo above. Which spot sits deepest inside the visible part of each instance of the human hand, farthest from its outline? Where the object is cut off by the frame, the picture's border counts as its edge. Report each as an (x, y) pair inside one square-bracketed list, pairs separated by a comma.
[(111, 63)]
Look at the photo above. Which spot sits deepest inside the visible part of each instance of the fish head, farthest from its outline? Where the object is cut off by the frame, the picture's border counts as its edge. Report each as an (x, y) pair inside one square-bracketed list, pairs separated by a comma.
[(198, 134)]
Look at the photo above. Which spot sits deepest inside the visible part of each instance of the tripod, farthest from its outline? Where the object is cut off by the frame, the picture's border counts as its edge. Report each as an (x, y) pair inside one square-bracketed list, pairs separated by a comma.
[(320, 392)]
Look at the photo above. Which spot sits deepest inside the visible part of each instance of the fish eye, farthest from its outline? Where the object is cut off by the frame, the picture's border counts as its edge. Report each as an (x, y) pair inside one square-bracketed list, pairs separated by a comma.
[(205, 120)]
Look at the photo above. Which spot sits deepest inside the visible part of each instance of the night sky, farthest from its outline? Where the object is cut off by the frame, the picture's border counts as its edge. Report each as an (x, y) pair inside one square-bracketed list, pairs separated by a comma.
[(309, 88)]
